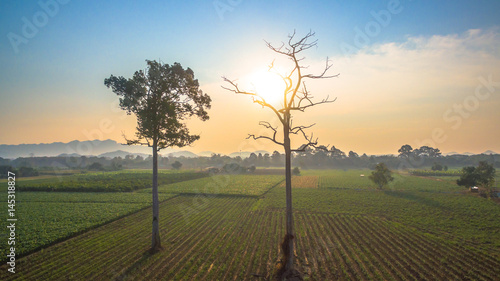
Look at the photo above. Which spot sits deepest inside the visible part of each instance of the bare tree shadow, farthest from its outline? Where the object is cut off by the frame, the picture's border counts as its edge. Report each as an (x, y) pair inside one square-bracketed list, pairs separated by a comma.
[(126, 274)]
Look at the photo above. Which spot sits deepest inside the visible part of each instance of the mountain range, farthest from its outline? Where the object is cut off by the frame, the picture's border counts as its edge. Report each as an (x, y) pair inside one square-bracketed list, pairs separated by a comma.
[(100, 148), (111, 149), (73, 148)]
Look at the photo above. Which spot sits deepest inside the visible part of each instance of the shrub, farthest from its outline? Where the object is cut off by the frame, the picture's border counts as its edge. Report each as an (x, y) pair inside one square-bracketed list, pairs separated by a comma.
[(176, 165)]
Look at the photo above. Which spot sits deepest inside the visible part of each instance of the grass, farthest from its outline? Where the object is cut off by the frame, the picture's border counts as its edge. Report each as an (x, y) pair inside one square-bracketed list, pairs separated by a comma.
[(251, 185), (229, 227), (120, 181), (47, 217), (225, 240), (413, 201)]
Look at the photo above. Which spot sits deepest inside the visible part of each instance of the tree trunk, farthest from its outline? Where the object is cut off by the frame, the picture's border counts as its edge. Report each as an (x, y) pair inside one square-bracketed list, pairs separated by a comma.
[(155, 237), (289, 211)]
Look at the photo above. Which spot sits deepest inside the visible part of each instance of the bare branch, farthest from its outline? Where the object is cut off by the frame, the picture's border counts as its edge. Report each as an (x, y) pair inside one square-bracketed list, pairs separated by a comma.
[(310, 141), (236, 89), (279, 49), (264, 137), (256, 98), (302, 44), (297, 129), (328, 65), (294, 47), (303, 147), (268, 126), (310, 103), (294, 97)]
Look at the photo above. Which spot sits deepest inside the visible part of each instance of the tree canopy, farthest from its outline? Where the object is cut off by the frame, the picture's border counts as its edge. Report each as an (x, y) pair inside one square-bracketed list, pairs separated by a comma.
[(483, 175), (407, 151), (161, 97), (381, 175)]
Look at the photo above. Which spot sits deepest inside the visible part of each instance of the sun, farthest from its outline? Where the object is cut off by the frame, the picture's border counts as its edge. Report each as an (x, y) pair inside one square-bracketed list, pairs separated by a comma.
[(268, 85)]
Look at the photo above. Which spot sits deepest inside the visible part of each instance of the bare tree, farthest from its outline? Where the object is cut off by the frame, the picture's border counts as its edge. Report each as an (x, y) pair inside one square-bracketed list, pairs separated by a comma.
[(296, 97)]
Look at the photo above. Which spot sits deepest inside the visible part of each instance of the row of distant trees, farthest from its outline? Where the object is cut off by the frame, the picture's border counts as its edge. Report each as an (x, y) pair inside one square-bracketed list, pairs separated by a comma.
[(19, 172), (319, 158)]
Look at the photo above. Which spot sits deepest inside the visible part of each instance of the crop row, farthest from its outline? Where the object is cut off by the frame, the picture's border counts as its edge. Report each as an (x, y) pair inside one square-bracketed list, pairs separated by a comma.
[(106, 182), (252, 185), (454, 215), (47, 217), (303, 182), (430, 173), (219, 238), (359, 180)]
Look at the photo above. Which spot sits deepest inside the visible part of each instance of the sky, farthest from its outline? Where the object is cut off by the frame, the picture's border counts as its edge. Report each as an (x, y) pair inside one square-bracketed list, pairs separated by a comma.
[(410, 72)]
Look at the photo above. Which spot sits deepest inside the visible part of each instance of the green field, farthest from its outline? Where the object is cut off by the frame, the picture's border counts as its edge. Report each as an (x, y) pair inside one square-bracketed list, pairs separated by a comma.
[(48, 217), (252, 185), (121, 181), (229, 228)]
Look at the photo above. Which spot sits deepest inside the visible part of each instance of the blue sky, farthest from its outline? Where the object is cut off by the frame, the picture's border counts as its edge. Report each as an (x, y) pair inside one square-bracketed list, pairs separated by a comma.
[(52, 83)]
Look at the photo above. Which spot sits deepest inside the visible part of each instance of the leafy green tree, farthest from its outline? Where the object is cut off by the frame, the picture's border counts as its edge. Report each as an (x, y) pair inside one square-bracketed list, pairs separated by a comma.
[(486, 174), (381, 175), (482, 175), (4, 171), (405, 151), (96, 166), (161, 97), (469, 177), (427, 151), (276, 158), (336, 153), (176, 165), (28, 172), (353, 154), (252, 169), (437, 167)]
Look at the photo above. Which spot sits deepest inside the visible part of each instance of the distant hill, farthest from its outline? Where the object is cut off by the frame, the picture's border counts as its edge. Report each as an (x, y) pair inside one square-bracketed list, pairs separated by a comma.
[(487, 152), (206, 153), (122, 154), (69, 155), (94, 148), (184, 153)]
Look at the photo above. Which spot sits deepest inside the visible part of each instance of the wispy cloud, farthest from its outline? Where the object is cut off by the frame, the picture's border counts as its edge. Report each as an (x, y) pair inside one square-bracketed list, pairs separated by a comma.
[(391, 87)]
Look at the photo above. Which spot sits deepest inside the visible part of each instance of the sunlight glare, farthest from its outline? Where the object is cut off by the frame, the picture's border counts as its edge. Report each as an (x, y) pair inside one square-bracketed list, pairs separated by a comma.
[(269, 86)]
